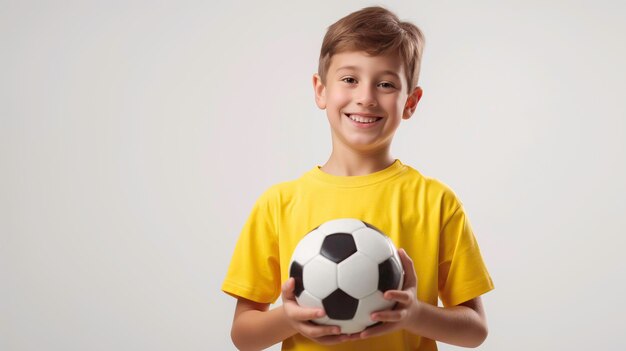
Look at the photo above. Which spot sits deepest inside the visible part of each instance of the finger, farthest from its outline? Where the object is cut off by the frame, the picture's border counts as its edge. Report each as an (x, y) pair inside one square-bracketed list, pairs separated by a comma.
[(318, 331), (400, 296), (410, 278), (378, 330), (295, 311), (299, 313), (389, 315), (352, 337)]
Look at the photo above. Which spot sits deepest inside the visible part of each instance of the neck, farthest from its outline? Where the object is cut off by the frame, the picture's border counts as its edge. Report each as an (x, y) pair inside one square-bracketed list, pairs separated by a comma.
[(354, 163)]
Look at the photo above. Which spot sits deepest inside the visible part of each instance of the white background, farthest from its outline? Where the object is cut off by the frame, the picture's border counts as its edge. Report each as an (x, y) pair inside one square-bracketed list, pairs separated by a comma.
[(135, 137)]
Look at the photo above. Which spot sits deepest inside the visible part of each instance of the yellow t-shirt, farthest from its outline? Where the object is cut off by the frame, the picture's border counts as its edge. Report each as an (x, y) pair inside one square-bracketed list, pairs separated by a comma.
[(419, 214)]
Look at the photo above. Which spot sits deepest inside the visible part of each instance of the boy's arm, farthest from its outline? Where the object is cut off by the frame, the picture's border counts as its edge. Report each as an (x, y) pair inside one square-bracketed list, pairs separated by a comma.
[(256, 327), (462, 325)]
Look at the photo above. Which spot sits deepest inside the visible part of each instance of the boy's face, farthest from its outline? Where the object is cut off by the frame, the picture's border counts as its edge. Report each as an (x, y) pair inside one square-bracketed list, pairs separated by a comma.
[(365, 98)]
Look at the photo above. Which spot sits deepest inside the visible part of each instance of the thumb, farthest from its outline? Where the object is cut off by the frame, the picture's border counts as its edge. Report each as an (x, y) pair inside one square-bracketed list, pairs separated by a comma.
[(287, 289), (410, 278)]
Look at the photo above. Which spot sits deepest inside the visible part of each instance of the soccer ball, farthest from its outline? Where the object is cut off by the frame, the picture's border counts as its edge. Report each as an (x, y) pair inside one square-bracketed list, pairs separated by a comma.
[(344, 266)]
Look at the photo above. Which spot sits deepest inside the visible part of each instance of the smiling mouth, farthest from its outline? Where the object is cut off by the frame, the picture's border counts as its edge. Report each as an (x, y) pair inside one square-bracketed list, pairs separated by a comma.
[(363, 119)]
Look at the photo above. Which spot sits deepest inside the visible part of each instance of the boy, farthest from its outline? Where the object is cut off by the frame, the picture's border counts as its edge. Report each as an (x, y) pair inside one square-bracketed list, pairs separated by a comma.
[(367, 83)]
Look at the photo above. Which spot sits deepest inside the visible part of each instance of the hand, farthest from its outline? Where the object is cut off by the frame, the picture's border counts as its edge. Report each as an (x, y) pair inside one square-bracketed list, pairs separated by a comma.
[(300, 319), (406, 307)]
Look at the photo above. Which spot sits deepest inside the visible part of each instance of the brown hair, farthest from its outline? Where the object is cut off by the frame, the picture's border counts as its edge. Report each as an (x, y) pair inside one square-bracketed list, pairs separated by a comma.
[(376, 31)]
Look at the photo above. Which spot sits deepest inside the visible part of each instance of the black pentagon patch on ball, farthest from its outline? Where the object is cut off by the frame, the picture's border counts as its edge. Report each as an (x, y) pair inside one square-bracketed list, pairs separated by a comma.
[(337, 247), (295, 271), (340, 306), (389, 274)]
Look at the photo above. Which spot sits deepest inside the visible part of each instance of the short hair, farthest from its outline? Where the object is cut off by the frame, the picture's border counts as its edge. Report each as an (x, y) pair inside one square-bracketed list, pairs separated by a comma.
[(377, 31)]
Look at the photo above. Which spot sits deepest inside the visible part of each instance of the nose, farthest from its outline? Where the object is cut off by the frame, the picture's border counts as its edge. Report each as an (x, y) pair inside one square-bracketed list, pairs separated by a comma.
[(366, 96)]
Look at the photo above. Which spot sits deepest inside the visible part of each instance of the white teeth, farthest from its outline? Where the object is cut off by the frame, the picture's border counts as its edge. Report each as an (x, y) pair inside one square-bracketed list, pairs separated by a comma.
[(361, 119)]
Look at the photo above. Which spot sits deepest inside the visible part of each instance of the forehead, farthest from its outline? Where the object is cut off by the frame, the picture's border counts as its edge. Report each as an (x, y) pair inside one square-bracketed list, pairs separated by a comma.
[(363, 62)]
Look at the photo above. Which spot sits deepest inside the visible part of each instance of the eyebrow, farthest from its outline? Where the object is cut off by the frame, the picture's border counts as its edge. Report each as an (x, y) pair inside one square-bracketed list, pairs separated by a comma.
[(355, 68)]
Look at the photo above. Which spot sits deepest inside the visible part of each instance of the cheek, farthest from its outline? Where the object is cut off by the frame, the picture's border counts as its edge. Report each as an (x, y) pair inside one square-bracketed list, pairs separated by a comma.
[(388, 103), (338, 98), (396, 104)]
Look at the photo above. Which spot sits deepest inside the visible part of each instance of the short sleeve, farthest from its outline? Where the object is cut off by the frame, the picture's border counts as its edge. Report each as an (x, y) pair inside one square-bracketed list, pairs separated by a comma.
[(254, 270), (462, 271)]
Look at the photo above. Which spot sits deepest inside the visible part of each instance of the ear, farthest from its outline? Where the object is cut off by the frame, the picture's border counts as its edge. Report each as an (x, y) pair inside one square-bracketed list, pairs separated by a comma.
[(411, 103), (320, 91)]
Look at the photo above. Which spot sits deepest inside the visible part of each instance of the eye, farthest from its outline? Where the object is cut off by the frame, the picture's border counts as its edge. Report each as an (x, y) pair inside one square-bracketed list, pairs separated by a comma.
[(349, 80), (386, 85)]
